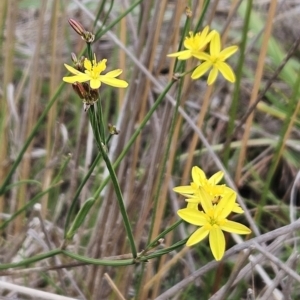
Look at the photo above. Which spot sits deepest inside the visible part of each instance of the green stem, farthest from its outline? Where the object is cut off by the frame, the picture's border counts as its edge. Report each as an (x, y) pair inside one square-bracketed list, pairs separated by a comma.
[(154, 243), (102, 262), (27, 261), (119, 199), (101, 32), (82, 184), (135, 135), (236, 92)]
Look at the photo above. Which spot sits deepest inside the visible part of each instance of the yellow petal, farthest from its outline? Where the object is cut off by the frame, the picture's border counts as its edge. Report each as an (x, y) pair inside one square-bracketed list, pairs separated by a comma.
[(198, 176), (235, 227), (212, 76), (197, 236), (227, 52), (200, 70), (215, 44), (217, 243), (226, 71), (72, 70), (184, 189), (87, 64), (181, 55), (114, 73), (113, 81), (192, 216), (225, 206), (216, 178), (206, 200), (95, 84), (77, 78)]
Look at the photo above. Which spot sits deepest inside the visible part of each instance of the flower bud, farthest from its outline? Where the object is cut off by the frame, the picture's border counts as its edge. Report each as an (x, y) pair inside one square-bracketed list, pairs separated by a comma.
[(77, 27), (85, 35)]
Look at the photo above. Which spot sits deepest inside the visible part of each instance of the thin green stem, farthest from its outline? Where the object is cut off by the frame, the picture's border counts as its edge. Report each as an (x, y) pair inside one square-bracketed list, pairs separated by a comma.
[(82, 184), (101, 31), (119, 199), (28, 261), (34, 200), (154, 243), (102, 262), (236, 93), (164, 161), (135, 135)]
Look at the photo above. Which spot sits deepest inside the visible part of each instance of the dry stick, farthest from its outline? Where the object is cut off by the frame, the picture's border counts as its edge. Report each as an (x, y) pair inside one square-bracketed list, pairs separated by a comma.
[(36, 294), (263, 92), (237, 248), (255, 89), (224, 291), (277, 261), (114, 287), (291, 261)]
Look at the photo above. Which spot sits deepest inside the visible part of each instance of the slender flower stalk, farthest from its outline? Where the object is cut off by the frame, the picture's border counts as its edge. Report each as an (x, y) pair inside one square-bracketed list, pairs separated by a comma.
[(213, 221), (215, 61)]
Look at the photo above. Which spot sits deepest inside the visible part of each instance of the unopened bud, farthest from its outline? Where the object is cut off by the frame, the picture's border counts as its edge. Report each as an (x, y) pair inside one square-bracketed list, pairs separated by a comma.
[(85, 35), (79, 90), (77, 27)]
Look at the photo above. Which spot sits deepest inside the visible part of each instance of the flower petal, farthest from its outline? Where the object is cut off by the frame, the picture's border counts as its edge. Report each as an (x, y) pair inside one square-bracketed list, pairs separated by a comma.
[(87, 64), (217, 243), (206, 200), (181, 55), (198, 176), (77, 78), (227, 52), (184, 189), (216, 178), (226, 71), (113, 81), (212, 76), (72, 70), (114, 73), (197, 236), (200, 70), (192, 216), (95, 83), (235, 227), (201, 56), (237, 209), (215, 45), (226, 204)]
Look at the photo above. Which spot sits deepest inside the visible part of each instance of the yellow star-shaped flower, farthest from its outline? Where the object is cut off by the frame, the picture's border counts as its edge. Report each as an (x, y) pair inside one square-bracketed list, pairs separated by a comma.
[(92, 73), (213, 221), (194, 43), (215, 61), (210, 186)]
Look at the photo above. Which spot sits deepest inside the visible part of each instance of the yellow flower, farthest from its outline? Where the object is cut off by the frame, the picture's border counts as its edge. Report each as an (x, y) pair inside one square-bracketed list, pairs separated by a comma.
[(213, 222), (215, 61), (92, 73), (217, 192), (194, 43)]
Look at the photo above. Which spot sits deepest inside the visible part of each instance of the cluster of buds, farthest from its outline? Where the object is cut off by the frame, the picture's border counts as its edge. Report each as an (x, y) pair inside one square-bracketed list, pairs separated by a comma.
[(87, 36)]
